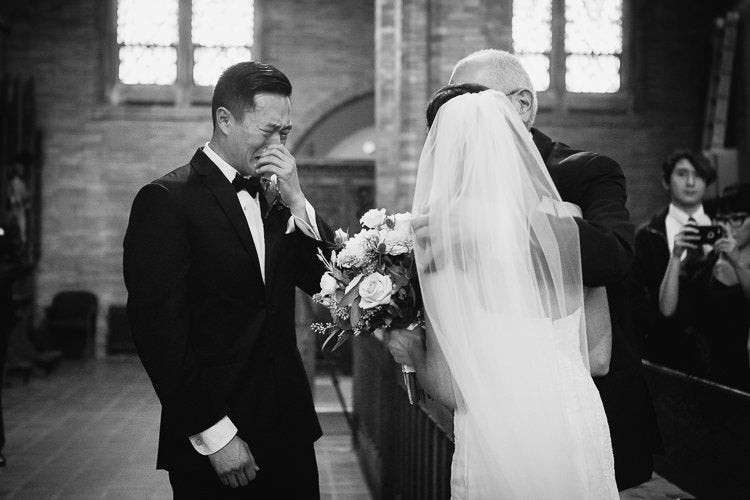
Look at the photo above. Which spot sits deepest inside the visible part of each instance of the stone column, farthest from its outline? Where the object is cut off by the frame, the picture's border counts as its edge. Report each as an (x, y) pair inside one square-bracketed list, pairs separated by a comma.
[(417, 42)]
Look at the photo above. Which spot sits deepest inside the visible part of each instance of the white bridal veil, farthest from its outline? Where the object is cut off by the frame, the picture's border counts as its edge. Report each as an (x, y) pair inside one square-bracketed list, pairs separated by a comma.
[(500, 271)]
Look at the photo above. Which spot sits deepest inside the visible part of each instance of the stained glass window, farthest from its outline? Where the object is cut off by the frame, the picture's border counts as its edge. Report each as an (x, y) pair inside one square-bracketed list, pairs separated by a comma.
[(588, 47), (532, 38), (593, 42), (149, 45), (222, 33), (147, 37)]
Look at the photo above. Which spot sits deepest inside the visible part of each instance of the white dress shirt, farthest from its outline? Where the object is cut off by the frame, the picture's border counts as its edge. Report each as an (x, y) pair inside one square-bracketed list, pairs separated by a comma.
[(218, 435), (676, 220)]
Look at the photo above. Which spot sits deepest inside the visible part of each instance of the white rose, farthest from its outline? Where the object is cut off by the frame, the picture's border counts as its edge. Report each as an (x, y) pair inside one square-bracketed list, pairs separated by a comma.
[(375, 290), (373, 218), (396, 243), (328, 285), (398, 240), (402, 222), (341, 236), (353, 253)]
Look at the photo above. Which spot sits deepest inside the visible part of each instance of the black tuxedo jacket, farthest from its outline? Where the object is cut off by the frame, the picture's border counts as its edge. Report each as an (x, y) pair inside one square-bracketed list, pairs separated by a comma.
[(214, 339), (597, 185)]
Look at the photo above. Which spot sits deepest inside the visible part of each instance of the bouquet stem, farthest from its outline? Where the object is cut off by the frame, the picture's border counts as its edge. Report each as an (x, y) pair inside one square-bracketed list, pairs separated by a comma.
[(410, 381)]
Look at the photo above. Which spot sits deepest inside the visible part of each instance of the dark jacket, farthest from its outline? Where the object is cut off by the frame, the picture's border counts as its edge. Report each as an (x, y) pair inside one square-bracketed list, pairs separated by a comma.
[(597, 185), (214, 339), (673, 341)]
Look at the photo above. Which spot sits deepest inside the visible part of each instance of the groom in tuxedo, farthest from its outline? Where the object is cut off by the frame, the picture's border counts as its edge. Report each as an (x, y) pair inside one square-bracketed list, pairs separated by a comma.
[(212, 255), (597, 185)]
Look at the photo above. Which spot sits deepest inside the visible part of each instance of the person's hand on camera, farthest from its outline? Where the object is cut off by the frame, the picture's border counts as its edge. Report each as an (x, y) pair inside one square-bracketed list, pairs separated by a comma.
[(234, 464), (407, 346), (688, 238), (727, 245)]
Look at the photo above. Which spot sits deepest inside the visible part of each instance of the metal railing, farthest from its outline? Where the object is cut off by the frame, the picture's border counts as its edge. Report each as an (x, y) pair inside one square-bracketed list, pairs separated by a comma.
[(405, 451)]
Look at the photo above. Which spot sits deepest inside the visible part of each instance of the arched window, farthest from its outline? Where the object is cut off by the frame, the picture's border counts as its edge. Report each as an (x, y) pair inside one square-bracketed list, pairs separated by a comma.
[(574, 50), (173, 51)]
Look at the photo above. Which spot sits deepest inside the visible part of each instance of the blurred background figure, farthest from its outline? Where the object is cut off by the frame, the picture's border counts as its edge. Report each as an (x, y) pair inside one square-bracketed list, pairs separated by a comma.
[(722, 292), (10, 266), (670, 340), (712, 291), (19, 198)]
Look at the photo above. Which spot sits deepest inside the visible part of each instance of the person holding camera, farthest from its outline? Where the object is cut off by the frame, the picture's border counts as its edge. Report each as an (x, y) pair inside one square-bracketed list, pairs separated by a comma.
[(723, 291), (716, 289), (671, 340)]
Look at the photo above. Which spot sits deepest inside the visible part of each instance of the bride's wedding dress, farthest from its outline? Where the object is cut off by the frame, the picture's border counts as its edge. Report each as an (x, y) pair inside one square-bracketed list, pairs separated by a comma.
[(504, 298)]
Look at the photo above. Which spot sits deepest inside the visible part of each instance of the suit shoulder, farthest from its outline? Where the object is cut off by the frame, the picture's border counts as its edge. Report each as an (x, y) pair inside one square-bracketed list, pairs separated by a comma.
[(174, 180), (586, 160), (166, 189)]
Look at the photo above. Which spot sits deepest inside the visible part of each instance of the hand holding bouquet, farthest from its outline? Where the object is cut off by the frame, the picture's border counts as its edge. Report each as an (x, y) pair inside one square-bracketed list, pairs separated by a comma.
[(371, 282)]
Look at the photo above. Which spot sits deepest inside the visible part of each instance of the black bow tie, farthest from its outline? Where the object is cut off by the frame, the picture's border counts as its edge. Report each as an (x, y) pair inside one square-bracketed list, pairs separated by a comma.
[(251, 185)]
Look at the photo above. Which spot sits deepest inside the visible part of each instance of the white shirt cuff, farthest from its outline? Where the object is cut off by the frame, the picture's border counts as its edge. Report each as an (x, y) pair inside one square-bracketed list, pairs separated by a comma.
[(214, 438), (311, 229)]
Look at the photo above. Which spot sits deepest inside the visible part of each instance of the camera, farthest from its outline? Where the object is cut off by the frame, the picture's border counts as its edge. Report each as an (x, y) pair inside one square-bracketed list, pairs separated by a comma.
[(708, 235)]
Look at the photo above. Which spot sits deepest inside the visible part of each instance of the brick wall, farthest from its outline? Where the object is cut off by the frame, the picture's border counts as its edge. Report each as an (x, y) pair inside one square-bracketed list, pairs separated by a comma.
[(96, 158), (670, 50)]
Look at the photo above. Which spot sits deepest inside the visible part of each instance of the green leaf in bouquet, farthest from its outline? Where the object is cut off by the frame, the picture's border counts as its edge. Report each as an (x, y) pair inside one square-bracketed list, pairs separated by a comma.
[(349, 297), (333, 334), (382, 249), (338, 274), (342, 323), (342, 338), (338, 295), (399, 279), (407, 260), (390, 222), (395, 310), (355, 313)]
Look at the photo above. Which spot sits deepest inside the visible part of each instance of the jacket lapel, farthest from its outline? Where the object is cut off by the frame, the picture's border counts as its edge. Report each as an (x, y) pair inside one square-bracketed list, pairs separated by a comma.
[(543, 144), (274, 227), (227, 198)]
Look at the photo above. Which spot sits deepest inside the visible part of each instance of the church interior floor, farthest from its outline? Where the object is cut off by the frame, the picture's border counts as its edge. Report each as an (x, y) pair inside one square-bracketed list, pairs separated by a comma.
[(89, 430)]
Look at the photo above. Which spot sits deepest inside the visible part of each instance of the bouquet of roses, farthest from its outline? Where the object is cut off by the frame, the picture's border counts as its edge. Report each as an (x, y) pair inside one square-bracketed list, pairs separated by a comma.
[(371, 282)]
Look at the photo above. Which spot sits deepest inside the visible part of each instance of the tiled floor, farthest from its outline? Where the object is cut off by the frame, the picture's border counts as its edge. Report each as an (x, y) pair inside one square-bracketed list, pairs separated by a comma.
[(89, 431)]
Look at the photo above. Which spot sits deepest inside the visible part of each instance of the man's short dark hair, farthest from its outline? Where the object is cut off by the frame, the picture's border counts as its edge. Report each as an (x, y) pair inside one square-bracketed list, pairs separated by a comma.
[(238, 85), (702, 166), (447, 93)]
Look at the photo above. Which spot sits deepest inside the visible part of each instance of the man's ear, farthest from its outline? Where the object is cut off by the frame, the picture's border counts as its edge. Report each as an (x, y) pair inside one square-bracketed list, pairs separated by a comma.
[(223, 119), (525, 100), (665, 185)]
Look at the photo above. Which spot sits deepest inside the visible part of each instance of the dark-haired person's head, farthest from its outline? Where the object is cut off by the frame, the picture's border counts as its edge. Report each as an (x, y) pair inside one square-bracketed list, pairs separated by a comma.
[(447, 93), (251, 110), (733, 212), (686, 176), (237, 86)]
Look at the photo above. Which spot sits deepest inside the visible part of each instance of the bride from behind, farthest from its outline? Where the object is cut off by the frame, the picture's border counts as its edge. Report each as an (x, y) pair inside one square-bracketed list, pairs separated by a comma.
[(500, 273)]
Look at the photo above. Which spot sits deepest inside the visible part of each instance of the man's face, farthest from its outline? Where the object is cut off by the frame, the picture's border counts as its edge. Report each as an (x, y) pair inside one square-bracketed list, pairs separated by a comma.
[(268, 123), (685, 186)]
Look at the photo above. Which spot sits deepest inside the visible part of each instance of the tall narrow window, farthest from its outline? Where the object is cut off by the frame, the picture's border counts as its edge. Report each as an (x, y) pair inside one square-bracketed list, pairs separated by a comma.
[(593, 45), (171, 50), (571, 46), (532, 38)]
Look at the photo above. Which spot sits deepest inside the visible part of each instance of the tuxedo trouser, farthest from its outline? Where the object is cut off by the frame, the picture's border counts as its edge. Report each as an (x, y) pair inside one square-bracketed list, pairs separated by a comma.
[(285, 472)]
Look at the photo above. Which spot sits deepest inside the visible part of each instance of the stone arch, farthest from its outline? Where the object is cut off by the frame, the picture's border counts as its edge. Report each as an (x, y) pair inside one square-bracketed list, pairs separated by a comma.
[(339, 119)]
